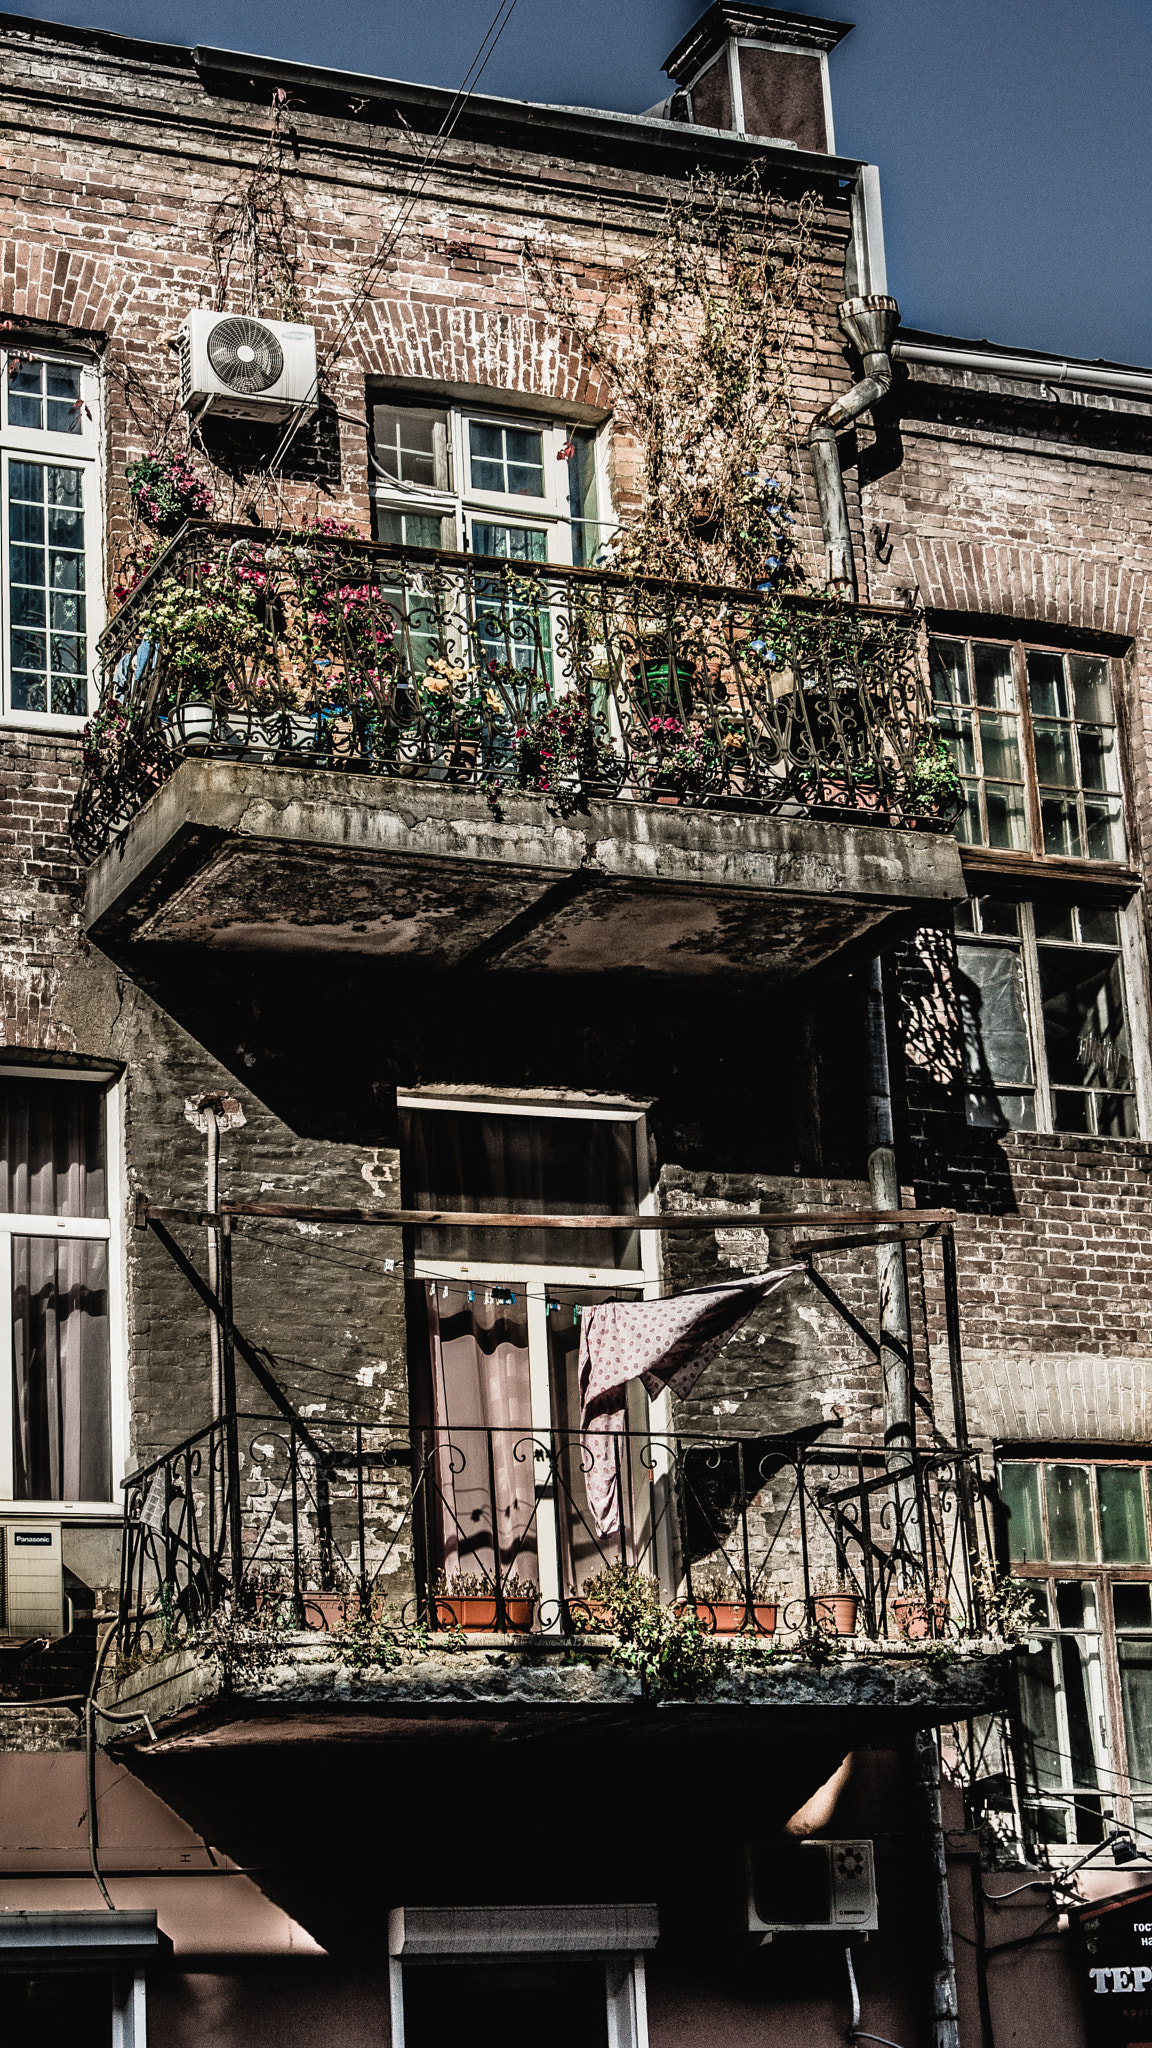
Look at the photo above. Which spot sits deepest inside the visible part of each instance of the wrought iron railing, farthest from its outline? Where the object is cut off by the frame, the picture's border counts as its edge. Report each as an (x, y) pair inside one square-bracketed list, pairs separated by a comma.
[(324, 650), (491, 1528)]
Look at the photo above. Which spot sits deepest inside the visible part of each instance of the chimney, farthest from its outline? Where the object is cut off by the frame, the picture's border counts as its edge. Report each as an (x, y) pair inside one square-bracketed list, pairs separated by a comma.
[(758, 71)]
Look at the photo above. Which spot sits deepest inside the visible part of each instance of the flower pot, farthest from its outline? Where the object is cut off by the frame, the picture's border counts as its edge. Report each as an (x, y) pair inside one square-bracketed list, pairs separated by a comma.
[(917, 1619), (466, 1612), (193, 723), (729, 1617), (835, 1613), (324, 1610), (249, 736), (591, 1617), (519, 1615)]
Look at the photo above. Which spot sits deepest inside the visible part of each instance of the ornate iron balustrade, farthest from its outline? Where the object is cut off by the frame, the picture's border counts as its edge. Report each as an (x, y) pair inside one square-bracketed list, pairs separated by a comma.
[(324, 650), (491, 1528)]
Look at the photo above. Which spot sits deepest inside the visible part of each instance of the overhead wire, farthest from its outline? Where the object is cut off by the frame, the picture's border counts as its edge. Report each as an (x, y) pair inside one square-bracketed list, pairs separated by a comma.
[(424, 170)]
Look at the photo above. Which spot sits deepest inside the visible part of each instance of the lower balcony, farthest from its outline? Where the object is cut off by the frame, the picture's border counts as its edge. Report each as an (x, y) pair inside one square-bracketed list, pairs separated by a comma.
[(307, 743), (277, 1572)]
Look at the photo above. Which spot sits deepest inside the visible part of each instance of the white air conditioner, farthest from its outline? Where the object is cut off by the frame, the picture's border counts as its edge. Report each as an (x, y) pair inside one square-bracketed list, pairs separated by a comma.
[(33, 1579), (245, 367), (809, 1887)]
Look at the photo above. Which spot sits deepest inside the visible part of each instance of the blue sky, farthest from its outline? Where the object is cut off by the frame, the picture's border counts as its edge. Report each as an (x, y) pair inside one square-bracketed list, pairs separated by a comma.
[(1011, 134)]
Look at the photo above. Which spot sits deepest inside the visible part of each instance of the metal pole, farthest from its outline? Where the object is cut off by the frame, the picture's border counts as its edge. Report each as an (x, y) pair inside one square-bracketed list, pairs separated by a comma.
[(964, 1475), (212, 1132), (891, 1273), (945, 2006), (231, 1426)]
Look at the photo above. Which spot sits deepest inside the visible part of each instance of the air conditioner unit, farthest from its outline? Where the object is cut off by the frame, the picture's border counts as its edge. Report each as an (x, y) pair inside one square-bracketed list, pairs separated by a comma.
[(33, 1579), (245, 367), (809, 1887)]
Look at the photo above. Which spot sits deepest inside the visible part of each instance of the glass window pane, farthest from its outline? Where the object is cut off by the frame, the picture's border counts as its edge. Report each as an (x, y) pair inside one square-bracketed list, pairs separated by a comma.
[(1123, 1524), (1132, 1604), (1085, 1029), (1007, 816), (997, 1054), (52, 1148), (1116, 1116), (1091, 689), (1104, 821), (1099, 758), (60, 1369), (1055, 921), (1071, 1534), (1070, 1110), (1135, 1659), (1047, 685), (999, 747), (999, 917), (948, 661), (995, 685), (1055, 758), (54, 598), (1060, 825), (480, 1160), (1020, 1497), (1099, 925)]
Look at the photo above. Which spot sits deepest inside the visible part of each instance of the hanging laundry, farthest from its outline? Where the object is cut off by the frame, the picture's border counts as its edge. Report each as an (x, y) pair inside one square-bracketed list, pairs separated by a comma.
[(666, 1344)]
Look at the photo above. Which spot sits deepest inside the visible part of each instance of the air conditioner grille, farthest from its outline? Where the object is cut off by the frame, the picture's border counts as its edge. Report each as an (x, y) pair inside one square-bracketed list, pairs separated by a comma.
[(245, 355)]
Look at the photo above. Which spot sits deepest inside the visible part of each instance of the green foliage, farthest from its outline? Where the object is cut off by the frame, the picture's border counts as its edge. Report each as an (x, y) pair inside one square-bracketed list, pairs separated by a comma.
[(670, 1653), (1008, 1604)]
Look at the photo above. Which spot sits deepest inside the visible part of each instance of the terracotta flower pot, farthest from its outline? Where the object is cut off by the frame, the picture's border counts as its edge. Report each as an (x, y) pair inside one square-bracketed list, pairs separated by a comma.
[(324, 1610), (729, 1617), (917, 1619), (465, 1611), (591, 1617), (836, 1613)]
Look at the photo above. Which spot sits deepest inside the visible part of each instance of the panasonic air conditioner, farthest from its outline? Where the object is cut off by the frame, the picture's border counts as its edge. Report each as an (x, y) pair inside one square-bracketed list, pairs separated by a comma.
[(33, 1579), (809, 1887), (245, 367)]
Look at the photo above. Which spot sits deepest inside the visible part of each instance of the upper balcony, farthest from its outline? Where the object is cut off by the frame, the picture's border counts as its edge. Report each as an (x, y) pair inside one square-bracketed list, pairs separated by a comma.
[(312, 743)]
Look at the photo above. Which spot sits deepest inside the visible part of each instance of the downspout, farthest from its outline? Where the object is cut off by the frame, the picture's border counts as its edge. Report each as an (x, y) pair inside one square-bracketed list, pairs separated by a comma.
[(945, 1997), (869, 324), (892, 1284)]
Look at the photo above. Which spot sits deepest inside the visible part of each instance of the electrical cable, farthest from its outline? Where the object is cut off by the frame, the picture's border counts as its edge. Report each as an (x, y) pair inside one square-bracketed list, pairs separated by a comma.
[(855, 2031), (456, 107)]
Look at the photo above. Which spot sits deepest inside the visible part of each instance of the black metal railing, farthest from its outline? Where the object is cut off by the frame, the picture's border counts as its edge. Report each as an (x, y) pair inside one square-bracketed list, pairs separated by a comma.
[(325, 650), (492, 1528)]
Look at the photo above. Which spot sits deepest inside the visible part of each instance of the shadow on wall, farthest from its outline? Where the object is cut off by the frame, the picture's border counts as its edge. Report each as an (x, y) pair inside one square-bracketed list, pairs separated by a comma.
[(943, 1025)]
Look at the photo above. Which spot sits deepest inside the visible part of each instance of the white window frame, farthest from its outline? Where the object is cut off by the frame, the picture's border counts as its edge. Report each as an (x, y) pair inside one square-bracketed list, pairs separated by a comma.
[(108, 1230), (75, 451), (463, 504), (538, 1282)]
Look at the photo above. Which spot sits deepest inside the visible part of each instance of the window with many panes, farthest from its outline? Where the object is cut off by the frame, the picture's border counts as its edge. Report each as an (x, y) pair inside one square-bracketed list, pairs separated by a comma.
[(49, 501), (1078, 1530), (1033, 734), (456, 477), (1043, 1010)]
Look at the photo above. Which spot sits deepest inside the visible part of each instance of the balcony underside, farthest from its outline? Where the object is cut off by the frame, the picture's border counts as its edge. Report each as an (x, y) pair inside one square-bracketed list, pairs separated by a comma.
[(246, 857)]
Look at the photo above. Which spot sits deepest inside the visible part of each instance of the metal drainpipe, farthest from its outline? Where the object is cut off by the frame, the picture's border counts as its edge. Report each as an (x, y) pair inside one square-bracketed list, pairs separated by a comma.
[(891, 1275), (212, 1129), (869, 324), (945, 1999)]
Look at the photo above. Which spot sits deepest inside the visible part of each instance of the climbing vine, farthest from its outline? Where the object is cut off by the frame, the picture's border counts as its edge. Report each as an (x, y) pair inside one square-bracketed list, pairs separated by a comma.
[(696, 338)]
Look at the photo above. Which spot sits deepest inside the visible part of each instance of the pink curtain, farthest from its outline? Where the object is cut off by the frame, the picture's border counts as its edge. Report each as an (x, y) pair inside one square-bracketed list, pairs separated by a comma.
[(52, 1164), (483, 1466)]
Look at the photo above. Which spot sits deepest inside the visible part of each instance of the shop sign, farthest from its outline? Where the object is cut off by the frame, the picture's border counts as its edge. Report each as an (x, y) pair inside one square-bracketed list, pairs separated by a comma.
[(1115, 1940)]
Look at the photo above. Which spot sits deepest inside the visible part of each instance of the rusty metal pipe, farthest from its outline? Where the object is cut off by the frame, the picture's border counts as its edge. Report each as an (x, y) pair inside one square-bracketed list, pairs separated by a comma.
[(870, 324)]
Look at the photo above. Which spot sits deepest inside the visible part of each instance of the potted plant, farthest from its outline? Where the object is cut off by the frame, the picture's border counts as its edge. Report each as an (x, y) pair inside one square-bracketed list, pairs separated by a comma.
[(834, 1611), (165, 491), (720, 1606), (935, 790), (563, 751), (917, 1616), (468, 1600)]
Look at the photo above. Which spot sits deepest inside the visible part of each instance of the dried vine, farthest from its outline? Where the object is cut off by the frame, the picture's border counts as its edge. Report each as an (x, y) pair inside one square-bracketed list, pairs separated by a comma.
[(695, 337)]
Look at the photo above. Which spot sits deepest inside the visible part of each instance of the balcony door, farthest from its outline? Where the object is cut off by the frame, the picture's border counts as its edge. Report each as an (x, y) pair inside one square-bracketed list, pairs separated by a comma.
[(503, 1458)]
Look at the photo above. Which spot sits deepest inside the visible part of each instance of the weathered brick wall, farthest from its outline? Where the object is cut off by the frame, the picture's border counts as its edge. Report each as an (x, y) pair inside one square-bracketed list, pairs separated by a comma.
[(997, 501)]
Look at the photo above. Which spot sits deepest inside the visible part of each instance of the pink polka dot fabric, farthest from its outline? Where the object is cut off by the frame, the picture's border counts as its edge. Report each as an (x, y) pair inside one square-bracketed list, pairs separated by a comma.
[(666, 1344)]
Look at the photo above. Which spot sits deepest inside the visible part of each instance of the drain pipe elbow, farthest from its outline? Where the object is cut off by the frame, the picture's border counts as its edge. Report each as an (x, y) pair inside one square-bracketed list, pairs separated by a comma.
[(870, 324)]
